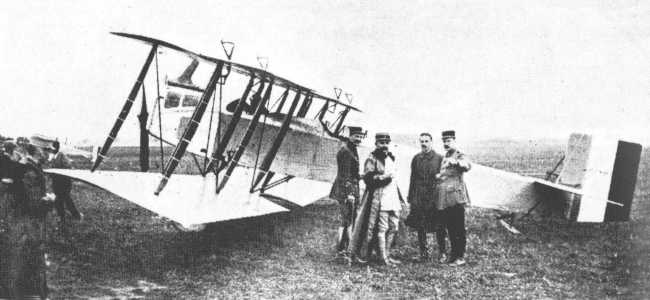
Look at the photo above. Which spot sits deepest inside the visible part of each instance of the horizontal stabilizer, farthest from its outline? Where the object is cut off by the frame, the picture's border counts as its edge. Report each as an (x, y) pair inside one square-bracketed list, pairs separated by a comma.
[(604, 171)]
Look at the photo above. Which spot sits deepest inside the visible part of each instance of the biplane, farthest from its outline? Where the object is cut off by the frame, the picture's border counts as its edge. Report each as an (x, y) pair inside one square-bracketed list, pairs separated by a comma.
[(272, 148), (269, 150)]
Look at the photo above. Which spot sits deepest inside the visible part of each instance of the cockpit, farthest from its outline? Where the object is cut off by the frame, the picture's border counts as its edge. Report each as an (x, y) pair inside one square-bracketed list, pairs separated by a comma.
[(173, 100)]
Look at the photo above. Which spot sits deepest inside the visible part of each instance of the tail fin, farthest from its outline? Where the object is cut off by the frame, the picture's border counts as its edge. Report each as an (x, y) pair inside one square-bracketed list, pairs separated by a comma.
[(605, 170)]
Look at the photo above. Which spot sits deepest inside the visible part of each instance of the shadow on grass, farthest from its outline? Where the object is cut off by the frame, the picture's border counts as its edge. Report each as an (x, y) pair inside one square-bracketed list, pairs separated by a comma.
[(121, 242)]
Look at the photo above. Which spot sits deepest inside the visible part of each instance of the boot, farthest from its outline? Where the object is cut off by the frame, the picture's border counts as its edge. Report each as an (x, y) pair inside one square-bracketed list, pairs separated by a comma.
[(422, 243), (340, 246), (383, 256), (339, 240), (390, 236)]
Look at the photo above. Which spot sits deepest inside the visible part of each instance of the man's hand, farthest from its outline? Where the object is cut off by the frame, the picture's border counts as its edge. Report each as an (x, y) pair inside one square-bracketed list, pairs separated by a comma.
[(385, 176), (49, 197)]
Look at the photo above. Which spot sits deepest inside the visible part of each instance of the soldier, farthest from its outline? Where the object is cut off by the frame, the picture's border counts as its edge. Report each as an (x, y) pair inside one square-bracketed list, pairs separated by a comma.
[(345, 189), (10, 151), (422, 196), (26, 236), (453, 196), (380, 205), (62, 186)]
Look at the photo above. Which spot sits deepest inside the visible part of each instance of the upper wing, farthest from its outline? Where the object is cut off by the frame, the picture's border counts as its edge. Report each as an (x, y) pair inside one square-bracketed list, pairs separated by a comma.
[(239, 68)]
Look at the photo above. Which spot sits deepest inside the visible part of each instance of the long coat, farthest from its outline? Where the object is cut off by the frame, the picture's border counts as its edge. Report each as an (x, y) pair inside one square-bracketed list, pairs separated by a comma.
[(422, 188), (365, 224), (347, 176), (451, 187), (23, 270)]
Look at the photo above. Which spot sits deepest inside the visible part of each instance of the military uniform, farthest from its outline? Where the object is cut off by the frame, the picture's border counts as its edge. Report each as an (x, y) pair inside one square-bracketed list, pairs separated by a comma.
[(24, 269), (347, 182), (452, 198), (380, 205), (345, 189), (451, 187), (422, 197), (62, 186)]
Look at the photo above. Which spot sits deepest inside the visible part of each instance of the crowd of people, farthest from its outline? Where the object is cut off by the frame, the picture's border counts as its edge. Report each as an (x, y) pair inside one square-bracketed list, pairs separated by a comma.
[(24, 205), (436, 200)]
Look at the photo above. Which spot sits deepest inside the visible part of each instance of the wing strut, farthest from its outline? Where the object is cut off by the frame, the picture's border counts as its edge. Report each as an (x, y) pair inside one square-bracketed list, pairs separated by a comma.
[(321, 113), (282, 100), (217, 154), (144, 136), (344, 113), (270, 156), (259, 108), (191, 128), (304, 108), (125, 109)]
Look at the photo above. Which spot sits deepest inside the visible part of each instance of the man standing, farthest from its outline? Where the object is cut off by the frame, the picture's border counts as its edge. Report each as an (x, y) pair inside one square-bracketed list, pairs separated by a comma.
[(452, 196), (422, 197), (26, 236), (380, 204), (10, 151), (62, 186), (345, 189)]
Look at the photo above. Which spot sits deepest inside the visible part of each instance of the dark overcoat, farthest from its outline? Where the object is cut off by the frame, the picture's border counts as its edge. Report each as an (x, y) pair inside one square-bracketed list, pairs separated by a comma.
[(422, 190), (347, 176), (422, 187), (23, 270)]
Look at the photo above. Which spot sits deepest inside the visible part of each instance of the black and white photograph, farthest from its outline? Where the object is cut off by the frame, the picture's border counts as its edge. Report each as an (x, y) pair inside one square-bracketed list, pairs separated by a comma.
[(325, 149)]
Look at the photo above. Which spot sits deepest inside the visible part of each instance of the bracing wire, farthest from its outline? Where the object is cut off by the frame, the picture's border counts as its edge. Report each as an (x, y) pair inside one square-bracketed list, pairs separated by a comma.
[(207, 144), (160, 136), (259, 148), (220, 111)]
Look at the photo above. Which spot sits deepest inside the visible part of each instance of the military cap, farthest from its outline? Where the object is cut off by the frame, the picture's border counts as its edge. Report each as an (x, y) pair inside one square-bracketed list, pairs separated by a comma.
[(448, 134), (355, 130), (382, 136)]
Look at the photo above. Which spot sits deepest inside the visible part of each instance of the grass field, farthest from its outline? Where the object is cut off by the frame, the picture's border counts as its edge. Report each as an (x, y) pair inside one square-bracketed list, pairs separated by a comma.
[(123, 251)]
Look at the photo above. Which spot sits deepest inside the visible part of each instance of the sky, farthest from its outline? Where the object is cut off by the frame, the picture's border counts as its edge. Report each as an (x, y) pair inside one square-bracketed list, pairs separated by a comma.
[(488, 69)]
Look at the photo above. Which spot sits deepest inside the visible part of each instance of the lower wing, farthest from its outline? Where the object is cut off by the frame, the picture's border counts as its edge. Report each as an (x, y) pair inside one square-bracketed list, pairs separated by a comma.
[(192, 200)]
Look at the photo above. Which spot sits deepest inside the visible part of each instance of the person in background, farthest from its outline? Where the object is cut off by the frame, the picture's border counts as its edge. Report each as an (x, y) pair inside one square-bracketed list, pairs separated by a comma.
[(25, 265), (62, 186)]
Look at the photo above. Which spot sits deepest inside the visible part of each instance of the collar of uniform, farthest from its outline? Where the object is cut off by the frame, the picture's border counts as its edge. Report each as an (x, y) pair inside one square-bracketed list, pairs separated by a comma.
[(428, 154)]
